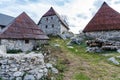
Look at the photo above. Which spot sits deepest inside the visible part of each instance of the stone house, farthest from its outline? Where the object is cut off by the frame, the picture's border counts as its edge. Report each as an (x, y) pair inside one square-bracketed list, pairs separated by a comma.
[(105, 24), (52, 24), (22, 34), (5, 20)]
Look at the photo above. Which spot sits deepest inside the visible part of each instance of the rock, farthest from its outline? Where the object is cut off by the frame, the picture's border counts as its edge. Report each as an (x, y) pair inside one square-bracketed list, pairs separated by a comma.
[(17, 74), (112, 59), (76, 40), (69, 43), (118, 50), (13, 69), (56, 45), (48, 65), (40, 71), (63, 36), (3, 49), (18, 78), (93, 49), (39, 76), (54, 70), (70, 47), (29, 77)]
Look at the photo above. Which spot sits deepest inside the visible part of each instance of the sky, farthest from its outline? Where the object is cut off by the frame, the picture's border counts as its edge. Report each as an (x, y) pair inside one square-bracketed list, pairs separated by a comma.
[(76, 12)]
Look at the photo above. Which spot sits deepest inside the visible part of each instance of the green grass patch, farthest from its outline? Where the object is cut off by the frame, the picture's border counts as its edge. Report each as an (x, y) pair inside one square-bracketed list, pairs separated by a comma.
[(81, 76)]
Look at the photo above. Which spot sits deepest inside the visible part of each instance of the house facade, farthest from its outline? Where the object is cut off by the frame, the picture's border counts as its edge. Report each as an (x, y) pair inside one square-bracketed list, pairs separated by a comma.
[(5, 20), (52, 24), (22, 34), (105, 24)]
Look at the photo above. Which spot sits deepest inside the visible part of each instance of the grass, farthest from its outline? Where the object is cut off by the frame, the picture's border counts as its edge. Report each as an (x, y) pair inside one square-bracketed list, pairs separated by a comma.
[(89, 66), (81, 76)]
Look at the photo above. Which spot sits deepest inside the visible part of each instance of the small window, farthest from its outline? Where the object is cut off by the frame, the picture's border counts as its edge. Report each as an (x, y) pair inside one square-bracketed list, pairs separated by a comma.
[(51, 17), (26, 41), (52, 25), (46, 26), (46, 19)]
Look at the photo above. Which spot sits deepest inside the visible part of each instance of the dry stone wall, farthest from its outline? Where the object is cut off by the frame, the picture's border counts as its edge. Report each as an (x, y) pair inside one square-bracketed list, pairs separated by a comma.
[(22, 66)]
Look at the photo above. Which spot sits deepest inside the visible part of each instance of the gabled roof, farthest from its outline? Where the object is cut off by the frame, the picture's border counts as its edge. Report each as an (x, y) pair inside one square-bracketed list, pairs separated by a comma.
[(22, 27), (105, 19), (5, 19), (52, 12)]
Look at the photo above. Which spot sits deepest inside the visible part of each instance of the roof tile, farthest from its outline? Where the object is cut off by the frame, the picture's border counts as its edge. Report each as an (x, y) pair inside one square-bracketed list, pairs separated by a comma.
[(105, 19), (23, 27)]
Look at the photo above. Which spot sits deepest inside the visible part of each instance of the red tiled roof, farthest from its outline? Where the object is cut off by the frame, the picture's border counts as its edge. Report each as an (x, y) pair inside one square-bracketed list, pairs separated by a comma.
[(52, 12), (23, 27), (105, 19)]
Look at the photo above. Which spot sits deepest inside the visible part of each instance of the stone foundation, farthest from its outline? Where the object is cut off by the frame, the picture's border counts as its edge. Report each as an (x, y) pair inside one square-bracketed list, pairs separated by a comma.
[(103, 34), (21, 45)]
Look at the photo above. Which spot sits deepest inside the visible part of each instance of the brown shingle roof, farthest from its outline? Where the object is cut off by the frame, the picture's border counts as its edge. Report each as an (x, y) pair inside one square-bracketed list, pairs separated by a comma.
[(105, 19), (22, 27), (52, 12)]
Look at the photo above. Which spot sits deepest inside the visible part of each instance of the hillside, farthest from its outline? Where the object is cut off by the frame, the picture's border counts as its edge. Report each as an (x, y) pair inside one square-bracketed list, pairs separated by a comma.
[(79, 65)]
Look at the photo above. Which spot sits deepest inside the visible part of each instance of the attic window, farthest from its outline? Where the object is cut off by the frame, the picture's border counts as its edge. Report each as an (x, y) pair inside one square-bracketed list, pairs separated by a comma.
[(26, 41)]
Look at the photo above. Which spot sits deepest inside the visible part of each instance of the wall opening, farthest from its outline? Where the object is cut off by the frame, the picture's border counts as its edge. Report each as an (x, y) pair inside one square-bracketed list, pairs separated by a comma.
[(26, 41), (52, 25), (46, 26)]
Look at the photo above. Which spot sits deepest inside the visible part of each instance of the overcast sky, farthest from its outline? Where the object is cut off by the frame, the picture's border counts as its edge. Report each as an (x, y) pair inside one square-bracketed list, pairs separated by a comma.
[(78, 12)]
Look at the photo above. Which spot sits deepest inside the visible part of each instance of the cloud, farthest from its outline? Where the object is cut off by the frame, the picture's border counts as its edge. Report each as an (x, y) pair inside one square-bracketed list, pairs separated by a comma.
[(78, 12)]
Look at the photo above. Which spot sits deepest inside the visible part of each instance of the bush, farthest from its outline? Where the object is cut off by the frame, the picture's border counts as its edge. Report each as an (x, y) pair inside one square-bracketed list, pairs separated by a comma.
[(14, 51)]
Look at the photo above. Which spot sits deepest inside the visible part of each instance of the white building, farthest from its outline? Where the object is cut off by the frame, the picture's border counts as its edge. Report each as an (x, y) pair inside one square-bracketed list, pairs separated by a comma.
[(52, 24)]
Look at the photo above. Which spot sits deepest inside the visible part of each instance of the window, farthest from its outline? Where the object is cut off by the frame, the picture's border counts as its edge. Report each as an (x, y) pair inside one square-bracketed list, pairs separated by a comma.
[(46, 19), (26, 41), (51, 17), (46, 26), (52, 25)]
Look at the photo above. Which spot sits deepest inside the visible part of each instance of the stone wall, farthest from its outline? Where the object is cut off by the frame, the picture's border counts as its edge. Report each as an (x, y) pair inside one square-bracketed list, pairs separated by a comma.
[(22, 66), (63, 29), (18, 44), (103, 34), (49, 21)]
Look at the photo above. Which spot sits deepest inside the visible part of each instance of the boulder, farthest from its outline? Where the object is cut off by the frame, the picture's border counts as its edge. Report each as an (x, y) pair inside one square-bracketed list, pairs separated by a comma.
[(17, 74), (93, 49), (48, 65), (118, 50), (113, 60), (29, 77)]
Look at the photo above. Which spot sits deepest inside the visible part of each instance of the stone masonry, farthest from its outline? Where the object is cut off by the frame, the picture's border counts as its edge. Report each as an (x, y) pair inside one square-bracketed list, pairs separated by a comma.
[(103, 34), (22, 66)]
